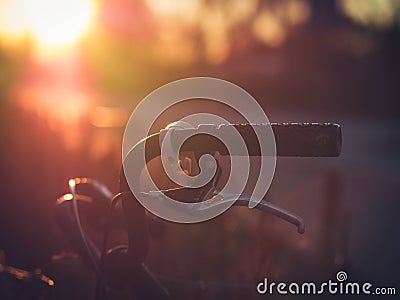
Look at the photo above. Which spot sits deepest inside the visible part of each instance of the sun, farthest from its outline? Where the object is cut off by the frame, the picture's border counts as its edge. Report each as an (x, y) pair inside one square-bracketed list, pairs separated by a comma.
[(49, 23), (58, 22)]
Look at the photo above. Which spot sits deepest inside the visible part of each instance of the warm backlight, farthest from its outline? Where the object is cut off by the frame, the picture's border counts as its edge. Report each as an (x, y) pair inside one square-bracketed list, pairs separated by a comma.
[(47, 22)]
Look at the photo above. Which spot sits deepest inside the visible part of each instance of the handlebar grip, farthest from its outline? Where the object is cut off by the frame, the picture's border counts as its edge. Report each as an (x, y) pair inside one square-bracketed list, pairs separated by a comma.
[(291, 139), (295, 139), (307, 139)]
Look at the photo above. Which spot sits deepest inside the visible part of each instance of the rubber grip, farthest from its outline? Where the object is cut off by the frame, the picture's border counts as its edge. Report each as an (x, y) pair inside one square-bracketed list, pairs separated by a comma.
[(298, 139), (291, 139)]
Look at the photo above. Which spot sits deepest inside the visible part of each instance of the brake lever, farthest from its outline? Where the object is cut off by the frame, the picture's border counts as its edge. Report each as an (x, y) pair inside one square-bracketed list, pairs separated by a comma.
[(266, 206), (238, 200), (201, 194)]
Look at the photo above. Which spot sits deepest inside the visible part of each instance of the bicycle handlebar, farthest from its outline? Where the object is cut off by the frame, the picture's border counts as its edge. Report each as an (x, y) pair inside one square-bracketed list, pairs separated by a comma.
[(125, 264), (291, 139)]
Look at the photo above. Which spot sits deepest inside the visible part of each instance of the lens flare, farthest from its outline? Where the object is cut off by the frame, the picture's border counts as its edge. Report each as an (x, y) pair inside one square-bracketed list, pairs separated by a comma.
[(48, 23)]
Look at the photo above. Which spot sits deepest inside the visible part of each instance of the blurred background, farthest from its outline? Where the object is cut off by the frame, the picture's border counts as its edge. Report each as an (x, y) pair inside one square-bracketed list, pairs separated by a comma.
[(72, 71)]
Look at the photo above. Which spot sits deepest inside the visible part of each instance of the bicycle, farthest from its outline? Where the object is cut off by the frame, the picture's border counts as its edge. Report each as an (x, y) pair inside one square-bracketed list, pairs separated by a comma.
[(123, 265)]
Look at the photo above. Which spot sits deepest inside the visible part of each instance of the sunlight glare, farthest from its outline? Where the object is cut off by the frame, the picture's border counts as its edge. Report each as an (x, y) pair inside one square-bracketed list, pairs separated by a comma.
[(58, 22), (49, 23)]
